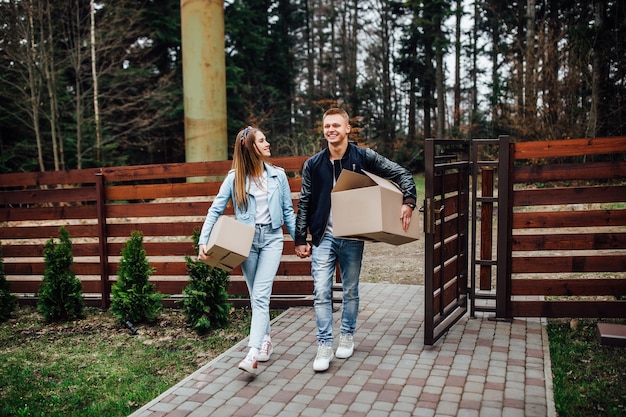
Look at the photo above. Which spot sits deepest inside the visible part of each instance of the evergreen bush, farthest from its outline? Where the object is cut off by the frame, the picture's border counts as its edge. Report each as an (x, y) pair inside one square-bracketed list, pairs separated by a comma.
[(133, 297), (205, 299), (60, 292), (7, 300)]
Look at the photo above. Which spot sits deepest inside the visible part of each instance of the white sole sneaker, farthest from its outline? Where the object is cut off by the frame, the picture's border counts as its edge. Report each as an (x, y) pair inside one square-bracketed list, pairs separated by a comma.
[(323, 358), (266, 351), (250, 366), (346, 346)]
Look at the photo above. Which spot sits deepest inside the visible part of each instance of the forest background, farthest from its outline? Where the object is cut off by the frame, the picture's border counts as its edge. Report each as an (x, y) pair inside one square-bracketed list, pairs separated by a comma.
[(405, 71)]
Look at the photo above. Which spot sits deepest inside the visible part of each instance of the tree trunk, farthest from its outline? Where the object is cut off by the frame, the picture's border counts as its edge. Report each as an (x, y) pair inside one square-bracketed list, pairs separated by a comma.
[(530, 89), (596, 77), (439, 75), (94, 75), (50, 76), (474, 73), (34, 84), (457, 68)]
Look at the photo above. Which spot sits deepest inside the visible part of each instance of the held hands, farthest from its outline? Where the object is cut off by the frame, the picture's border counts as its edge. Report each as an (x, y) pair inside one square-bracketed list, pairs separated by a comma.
[(303, 251), (405, 216)]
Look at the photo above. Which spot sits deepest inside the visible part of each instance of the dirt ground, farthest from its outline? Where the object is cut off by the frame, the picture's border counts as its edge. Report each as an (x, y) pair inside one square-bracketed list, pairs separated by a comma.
[(403, 264)]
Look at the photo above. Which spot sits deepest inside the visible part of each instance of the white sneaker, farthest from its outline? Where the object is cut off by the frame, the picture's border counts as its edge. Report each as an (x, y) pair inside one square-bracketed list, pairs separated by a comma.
[(323, 358), (249, 364), (346, 346), (266, 350)]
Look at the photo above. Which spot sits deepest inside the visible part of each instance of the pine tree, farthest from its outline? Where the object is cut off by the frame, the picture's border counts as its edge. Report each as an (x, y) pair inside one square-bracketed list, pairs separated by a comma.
[(205, 303), (133, 296), (7, 300), (60, 292)]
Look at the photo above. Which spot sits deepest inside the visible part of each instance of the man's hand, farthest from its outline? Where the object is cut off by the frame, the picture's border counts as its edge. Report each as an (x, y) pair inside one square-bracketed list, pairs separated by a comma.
[(405, 216), (303, 251)]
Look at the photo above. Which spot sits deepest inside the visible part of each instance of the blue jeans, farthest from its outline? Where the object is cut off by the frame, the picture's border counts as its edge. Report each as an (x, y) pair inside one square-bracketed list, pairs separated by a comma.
[(349, 254), (259, 270)]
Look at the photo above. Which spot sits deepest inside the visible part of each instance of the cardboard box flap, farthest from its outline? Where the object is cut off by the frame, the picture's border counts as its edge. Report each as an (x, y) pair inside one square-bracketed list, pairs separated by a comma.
[(383, 182), (349, 180)]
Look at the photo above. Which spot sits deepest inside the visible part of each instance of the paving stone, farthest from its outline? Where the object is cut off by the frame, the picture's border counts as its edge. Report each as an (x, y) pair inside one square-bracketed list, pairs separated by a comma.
[(480, 368)]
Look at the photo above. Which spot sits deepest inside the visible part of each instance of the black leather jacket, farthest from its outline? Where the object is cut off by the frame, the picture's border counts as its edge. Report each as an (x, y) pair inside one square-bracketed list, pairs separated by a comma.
[(317, 183)]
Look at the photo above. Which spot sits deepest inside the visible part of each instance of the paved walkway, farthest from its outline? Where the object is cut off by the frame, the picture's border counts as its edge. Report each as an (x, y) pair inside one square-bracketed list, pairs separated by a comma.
[(480, 368)]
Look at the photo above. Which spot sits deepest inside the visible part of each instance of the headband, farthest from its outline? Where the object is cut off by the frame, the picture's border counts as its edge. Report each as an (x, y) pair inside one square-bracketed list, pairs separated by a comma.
[(245, 133)]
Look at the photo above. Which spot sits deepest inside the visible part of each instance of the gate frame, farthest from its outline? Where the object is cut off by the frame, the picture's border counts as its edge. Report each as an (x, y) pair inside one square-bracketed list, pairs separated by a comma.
[(437, 323)]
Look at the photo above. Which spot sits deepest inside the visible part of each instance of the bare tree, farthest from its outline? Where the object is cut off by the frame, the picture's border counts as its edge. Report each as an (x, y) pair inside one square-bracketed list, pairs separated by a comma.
[(94, 75)]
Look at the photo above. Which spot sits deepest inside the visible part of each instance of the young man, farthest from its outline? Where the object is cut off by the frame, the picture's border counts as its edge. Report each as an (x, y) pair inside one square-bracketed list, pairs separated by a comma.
[(319, 174)]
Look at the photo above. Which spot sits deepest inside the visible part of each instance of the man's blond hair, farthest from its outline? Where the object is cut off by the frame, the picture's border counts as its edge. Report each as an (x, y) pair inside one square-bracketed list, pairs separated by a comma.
[(337, 110)]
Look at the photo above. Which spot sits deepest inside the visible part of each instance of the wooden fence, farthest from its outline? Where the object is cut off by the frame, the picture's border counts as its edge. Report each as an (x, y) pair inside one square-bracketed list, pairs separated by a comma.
[(567, 234), (100, 208)]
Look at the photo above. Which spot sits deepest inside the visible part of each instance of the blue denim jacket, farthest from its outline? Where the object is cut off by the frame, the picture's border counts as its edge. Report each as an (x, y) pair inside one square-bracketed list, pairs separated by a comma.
[(279, 201)]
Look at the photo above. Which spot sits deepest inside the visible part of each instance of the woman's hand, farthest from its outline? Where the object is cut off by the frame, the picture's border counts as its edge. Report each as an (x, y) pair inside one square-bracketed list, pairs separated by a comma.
[(202, 249)]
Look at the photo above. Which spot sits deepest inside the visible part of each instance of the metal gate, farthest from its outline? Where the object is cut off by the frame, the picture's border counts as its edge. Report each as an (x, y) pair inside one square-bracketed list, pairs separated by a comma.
[(465, 268), (446, 220)]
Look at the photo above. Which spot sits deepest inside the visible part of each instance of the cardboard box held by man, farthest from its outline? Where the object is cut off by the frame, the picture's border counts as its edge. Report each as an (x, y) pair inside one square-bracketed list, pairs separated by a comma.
[(367, 207)]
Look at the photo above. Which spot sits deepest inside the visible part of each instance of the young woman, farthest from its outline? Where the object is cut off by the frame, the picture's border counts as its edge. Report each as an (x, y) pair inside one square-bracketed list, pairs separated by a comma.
[(261, 197)]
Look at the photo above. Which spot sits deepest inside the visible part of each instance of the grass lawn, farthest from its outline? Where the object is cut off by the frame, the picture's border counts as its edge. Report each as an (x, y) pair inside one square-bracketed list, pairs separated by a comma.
[(589, 378), (95, 367)]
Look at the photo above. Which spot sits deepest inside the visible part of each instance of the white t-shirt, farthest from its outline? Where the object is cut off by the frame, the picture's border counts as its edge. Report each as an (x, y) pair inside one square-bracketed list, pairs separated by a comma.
[(258, 188)]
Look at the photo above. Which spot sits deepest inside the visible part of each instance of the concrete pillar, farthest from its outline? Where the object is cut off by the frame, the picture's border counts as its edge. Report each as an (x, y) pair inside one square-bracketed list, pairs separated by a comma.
[(204, 80)]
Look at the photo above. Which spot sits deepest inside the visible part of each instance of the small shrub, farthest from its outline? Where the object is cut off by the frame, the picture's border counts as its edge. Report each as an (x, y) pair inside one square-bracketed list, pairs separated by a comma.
[(7, 300), (205, 299), (60, 292), (133, 297)]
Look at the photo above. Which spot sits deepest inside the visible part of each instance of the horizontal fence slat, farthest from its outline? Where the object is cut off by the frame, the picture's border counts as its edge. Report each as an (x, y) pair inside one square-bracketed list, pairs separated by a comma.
[(569, 172), (166, 171), (156, 209), (47, 232), (558, 264), (569, 147), (569, 241), (58, 195), (14, 214), (582, 309), (560, 219), (568, 287), (154, 191), (574, 195), (170, 190), (35, 179), (153, 229)]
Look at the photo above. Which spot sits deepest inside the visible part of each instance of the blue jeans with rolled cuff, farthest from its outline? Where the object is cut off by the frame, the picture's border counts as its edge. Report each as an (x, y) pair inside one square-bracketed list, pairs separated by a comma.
[(259, 270), (349, 254)]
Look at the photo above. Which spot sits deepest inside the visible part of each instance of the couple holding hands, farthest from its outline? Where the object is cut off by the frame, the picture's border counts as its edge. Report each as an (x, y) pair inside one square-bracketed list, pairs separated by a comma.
[(261, 197)]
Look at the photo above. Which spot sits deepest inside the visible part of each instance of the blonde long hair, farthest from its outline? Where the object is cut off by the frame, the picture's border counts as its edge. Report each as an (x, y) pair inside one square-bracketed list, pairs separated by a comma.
[(247, 161)]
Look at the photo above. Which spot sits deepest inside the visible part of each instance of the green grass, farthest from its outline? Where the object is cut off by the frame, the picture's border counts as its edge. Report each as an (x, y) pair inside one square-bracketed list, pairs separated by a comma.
[(420, 184), (94, 367), (589, 378)]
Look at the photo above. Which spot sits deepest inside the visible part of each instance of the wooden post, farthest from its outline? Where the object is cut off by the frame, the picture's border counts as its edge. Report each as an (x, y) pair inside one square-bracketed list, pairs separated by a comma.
[(102, 241), (204, 80)]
